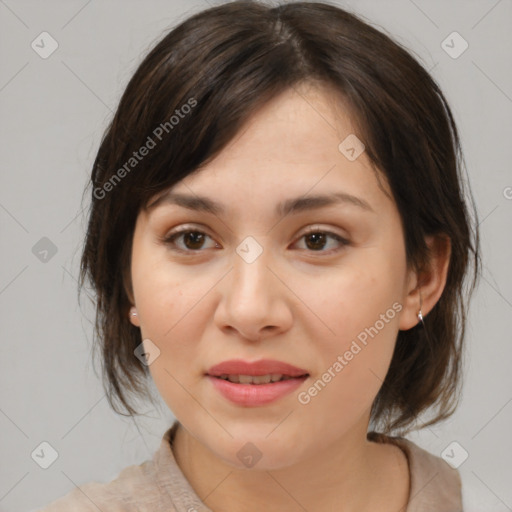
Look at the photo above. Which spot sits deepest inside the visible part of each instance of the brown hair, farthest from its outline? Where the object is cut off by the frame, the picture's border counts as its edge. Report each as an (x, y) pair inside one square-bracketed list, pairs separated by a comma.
[(225, 63)]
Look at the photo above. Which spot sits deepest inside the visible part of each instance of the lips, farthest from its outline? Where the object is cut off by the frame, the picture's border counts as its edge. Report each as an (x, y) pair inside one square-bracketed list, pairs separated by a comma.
[(255, 384), (236, 368)]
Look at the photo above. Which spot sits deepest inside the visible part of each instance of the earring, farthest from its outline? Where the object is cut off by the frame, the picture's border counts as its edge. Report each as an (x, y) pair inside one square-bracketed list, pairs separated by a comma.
[(133, 311), (420, 315)]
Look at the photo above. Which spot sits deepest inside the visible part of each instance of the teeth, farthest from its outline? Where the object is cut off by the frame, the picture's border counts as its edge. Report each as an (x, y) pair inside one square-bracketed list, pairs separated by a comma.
[(260, 379)]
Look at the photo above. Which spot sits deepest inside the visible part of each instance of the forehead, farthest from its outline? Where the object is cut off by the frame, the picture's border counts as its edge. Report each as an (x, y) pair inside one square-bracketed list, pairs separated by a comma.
[(304, 124), (294, 145)]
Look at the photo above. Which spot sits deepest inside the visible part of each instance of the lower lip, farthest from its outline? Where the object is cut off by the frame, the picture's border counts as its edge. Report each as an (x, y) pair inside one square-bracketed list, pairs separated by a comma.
[(252, 395)]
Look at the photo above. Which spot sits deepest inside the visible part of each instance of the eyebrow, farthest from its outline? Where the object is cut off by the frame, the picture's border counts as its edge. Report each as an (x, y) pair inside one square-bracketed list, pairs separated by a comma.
[(287, 207)]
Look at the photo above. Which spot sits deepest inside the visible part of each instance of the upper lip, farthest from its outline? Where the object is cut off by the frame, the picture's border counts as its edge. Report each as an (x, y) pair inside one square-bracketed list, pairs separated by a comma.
[(255, 368)]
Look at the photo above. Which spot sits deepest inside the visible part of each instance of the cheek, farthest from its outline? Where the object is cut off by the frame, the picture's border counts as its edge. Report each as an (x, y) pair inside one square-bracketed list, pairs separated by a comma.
[(166, 298), (353, 371), (353, 298), (162, 291), (169, 316), (172, 316), (360, 318)]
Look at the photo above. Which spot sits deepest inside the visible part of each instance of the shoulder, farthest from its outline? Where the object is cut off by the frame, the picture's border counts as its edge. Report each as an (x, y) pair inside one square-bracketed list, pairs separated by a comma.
[(432, 478), (151, 486), (115, 496), (434, 484)]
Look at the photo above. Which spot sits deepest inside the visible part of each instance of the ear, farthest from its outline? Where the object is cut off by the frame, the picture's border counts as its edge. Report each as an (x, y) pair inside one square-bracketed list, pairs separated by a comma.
[(429, 282)]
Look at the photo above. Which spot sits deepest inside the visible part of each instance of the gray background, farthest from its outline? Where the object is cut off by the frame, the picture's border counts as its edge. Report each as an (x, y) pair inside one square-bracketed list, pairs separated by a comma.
[(53, 113)]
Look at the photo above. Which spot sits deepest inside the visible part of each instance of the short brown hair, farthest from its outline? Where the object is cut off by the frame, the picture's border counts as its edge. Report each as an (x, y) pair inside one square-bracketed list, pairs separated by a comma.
[(225, 63)]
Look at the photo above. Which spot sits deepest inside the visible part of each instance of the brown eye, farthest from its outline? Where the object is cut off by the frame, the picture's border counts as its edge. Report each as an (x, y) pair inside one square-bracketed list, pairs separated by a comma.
[(188, 240), (193, 240), (317, 241)]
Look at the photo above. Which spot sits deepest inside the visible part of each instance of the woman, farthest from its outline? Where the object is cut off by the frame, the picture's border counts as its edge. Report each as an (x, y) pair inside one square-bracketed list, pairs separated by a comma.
[(279, 237)]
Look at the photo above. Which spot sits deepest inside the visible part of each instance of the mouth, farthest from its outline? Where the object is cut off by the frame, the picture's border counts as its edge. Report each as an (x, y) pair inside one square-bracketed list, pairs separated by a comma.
[(258, 380), (257, 383), (264, 371)]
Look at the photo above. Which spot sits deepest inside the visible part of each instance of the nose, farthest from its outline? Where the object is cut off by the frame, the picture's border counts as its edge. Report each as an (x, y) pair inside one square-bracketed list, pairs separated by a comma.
[(254, 302)]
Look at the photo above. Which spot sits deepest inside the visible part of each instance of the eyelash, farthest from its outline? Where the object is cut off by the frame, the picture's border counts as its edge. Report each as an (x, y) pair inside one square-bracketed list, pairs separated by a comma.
[(170, 240)]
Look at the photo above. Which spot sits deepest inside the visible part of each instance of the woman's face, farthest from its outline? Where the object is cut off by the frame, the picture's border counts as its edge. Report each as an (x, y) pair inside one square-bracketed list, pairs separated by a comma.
[(322, 286)]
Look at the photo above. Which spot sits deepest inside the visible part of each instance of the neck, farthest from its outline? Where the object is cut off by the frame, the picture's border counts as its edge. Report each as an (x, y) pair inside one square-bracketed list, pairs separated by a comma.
[(353, 474)]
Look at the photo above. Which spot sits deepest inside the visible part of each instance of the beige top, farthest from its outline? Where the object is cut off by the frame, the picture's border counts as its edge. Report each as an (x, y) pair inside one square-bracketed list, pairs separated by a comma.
[(158, 485)]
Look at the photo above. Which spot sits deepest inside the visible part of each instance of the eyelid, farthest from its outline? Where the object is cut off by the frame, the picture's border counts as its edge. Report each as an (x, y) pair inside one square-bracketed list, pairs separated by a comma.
[(186, 228), (316, 228)]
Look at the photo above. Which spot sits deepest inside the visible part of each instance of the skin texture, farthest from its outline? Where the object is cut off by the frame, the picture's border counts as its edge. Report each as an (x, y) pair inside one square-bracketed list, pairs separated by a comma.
[(301, 301)]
